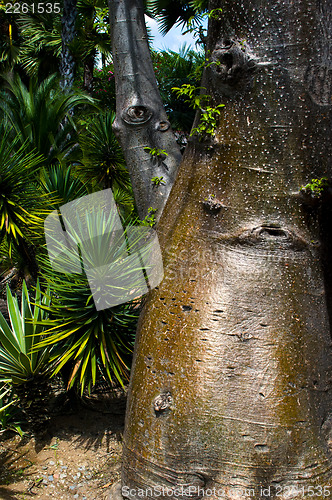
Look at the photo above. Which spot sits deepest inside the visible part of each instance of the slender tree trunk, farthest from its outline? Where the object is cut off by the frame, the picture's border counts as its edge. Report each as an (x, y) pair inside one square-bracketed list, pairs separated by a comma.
[(231, 382), (141, 123), (67, 63), (89, 65)]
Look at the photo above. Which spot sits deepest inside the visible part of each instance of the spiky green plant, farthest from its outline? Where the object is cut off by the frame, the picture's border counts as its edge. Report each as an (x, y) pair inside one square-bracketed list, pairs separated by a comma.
[(26, 369), (41, 115), (91, 343), (87, 340), (21, 200), (102, 159), (10, 414), (60, 182)]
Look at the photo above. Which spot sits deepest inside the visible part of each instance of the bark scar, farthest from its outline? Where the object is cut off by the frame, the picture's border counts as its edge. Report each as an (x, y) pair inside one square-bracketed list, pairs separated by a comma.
[(233, 64), (162, 402)]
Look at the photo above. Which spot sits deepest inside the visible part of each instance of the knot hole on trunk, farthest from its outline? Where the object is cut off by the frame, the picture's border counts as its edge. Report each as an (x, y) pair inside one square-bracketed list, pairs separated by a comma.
[(162, 403), (232, 64), (137, 115)]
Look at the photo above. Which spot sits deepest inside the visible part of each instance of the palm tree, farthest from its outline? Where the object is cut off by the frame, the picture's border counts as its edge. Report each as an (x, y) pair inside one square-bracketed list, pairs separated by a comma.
[(93, 36), (40, 48)]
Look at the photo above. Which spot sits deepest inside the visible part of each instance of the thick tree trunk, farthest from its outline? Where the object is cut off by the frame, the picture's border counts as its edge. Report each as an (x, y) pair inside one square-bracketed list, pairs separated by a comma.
[(141, 123), (67, 63), (231, 382)]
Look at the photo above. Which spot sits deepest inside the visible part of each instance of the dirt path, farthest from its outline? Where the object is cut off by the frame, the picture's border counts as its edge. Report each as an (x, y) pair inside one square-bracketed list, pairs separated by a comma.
[(80, 459)]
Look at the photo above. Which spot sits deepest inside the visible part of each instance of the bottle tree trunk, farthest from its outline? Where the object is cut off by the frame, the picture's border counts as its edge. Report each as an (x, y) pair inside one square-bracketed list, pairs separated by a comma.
[(231, 381)]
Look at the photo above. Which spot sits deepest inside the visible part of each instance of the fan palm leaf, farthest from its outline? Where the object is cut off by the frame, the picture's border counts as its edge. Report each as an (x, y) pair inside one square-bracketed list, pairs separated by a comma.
[(175, 12)]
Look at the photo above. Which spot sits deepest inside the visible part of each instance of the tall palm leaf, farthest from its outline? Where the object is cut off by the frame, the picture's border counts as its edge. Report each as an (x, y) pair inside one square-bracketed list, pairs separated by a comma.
[(41, 43)]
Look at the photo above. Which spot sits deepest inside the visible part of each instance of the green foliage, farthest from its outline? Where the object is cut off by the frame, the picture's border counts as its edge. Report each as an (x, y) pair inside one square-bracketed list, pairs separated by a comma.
[(19, 364), (61, 184), (173, 70), (208, 115), (40, 49), (34, 42), (21, 202), (208, 121), (92, 31), (192, 94), (87, 340), (175, 12), (158, 180), (150, 218), (102, 159), (27, 369), (316, 187), (9, 41), (41, 115), (155, 152), (104, 87), (10, 416), (213, 14), (102, 164)]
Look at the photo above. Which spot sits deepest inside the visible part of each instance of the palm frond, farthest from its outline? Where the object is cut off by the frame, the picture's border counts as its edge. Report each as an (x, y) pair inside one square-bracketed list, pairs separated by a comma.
[(21, 201), (170, 13), (40, 114)]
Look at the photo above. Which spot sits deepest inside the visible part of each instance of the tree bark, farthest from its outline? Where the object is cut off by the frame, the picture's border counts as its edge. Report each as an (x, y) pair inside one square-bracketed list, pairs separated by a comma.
[(89, 64), (141, 123), (67, 63), (231, 381)]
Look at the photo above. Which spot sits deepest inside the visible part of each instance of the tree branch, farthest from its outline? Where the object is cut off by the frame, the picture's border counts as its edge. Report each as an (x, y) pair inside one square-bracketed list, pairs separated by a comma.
[(141, 123)]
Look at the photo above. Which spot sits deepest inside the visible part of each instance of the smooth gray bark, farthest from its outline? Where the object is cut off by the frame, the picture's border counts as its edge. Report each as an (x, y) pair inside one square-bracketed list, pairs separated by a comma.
[(141, 121)]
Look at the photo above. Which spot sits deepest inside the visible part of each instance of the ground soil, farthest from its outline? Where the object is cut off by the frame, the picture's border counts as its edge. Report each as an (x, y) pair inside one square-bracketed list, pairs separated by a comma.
[(79, 456)]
